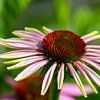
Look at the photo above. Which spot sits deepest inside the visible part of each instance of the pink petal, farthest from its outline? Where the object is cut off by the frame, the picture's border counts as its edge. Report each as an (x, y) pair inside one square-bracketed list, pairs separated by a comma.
[(91, 73), (34, 31), (93, 50), (85, 77), (28, 35), (18, 43), (48, 78), (93, 64), (92, 38), (93, 46), (26, 62), (92, 58), (98, 61), (60, 77), (18, 60), (18, 54), (72, 90), (30, 70), (90, 35), (77, 79), (92, 54)]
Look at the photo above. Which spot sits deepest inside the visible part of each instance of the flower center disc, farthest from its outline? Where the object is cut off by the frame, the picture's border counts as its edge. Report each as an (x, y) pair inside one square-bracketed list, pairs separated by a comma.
[(63, 46)]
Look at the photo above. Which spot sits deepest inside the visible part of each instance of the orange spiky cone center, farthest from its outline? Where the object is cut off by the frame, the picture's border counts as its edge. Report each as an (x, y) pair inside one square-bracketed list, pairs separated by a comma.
[(63, 46)]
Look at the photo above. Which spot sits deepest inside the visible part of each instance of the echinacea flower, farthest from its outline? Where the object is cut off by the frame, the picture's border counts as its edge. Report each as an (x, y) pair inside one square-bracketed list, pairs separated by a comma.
[(70, 91), (58, 51), (23, 90)]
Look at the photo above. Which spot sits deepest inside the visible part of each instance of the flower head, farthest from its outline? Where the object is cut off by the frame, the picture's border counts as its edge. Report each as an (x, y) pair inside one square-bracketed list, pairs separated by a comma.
[(58, 51)]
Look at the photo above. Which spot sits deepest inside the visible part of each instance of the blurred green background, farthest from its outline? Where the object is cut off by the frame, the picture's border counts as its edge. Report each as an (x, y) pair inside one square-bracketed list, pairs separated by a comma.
[(79, 16)]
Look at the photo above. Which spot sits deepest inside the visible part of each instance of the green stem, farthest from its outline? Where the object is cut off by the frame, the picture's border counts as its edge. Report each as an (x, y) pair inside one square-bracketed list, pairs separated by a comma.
[(54, 92)]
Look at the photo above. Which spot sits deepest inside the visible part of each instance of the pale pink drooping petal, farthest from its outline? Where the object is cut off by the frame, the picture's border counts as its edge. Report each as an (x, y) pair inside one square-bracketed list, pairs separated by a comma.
[(34, 31), (93, 46), (26, 62), (11, 43), (98, 61), (60, 77), (20, 60), (28, 35), (90, 35), (18, 54), (91, 73), (85, 77), (93, 64), (48, 78), (77, 79), (92, 54), (92, 58), (93, 50), (30, 70), (92, 38)]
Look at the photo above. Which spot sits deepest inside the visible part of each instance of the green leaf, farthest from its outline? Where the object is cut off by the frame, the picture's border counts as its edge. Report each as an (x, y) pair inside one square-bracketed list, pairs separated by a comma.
[(10, 10), (61, 10)]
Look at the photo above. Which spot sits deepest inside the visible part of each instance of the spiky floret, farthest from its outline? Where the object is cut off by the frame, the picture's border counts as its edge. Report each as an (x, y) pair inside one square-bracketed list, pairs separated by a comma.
[(64, 46)]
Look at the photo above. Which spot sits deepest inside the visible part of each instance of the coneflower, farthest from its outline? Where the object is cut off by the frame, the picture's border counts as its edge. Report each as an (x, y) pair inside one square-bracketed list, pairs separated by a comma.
[(58, 51), (22, 90)]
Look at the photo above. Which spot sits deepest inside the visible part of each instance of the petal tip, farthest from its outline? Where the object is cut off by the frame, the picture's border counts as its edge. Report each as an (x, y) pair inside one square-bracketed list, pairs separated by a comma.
[(59, 88), (96, 92), (46, 29), (18, 79), (85, 96), (9, 68), (29, 29), (42, 93)]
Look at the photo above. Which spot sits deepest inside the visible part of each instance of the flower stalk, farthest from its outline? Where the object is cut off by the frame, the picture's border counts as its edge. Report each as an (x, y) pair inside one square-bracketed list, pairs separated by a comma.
[(54, 92)]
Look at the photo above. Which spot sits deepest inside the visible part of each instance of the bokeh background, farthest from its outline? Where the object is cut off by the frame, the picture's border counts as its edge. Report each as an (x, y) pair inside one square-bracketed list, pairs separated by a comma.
[(79, 16)]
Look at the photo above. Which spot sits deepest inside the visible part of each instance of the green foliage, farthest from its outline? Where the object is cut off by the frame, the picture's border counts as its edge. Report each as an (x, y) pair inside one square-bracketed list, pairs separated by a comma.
[(85, 21), (10, 10), (61, 12)]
